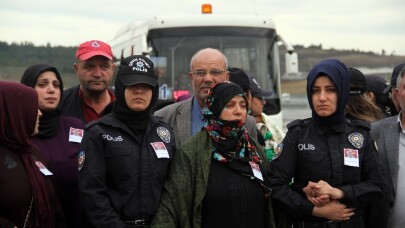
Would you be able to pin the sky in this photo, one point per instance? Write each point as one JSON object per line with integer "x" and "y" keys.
{"x": 366, "y": 25}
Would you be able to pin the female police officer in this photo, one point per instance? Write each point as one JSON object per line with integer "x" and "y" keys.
{"x": 125, "y": 154}
{"x": 330, "y": 188}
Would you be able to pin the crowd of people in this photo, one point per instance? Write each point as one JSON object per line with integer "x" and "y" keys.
{"x": 90, "y": 156}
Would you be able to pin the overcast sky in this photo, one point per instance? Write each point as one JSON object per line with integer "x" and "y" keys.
{"x": 367, "y": 25}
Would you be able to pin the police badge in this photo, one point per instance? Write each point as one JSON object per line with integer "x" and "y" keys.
{"x": 163, "y": 134}
{"x": 356, "y": 139}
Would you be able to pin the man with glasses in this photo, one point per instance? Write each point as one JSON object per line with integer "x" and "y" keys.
{"x": 207, "y": 67}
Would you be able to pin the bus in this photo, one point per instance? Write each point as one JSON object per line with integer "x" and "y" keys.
{"x": 249, "y": 42}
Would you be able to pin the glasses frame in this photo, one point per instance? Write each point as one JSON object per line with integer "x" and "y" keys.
{"x": 212, "y": 72}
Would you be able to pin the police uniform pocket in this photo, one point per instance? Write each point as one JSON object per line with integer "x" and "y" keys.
{"x": 117, "y": 151}
{"x": 311, "y": 158}
{"x": 312, "y": 164}
{"x": 118, "y": 162}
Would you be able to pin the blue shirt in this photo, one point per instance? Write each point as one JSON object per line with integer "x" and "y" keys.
{"x": 197, "y": 118}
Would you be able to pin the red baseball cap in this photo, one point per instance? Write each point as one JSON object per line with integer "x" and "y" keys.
{"x": 92, "y": 48}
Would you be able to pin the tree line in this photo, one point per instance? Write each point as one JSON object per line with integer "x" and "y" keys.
{"x": 26, "y": 54}
{"x": 16, "y": 57}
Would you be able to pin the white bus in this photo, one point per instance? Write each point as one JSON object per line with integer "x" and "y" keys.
{"x": 249, "y": 42}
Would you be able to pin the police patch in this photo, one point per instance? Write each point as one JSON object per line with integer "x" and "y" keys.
{"x": 164, "y": 134}
{"x": 278, "y": 150}
{"x": 80, "y": 159}
{"x": 356, "y": 139}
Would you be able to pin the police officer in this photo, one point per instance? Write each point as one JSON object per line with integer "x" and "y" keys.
{"x": 330, "y": 188}
{"x": 125, "y": 155}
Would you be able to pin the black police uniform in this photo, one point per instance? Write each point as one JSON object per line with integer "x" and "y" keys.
{"x": 121, "y": 176}
{"x": 312, "y": 152}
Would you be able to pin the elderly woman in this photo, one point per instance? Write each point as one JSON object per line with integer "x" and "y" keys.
{"x": 56, "y": 138}
{"x": 27, "y": 195}
{"x": 218, "y": 177}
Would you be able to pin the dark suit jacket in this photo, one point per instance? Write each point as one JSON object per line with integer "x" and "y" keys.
{"x": 178, "y": 116}
{"x": 386, "y": 134}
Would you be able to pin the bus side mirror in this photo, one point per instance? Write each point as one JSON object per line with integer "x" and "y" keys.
{"x": 291, "y": 63}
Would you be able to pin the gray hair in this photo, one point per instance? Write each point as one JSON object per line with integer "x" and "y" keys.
{"x": 400, "y": 76}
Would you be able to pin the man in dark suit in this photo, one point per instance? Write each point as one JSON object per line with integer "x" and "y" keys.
{"x": 390, "y": 138}
{"x": 208, "y": 67}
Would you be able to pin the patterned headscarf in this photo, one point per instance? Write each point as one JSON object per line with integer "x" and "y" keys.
{"x": 229, "y": 138}
{"x": 18, "y": 117}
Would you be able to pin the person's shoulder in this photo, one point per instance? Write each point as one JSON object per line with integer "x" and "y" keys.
{"x": 358, "y": 123}
{"x": 73, "y": 121}
{"x": 173, "y": 107}
{"x": 106, "y": 120}
{"x": 72, "y": 90}
{"x": 160, "y": 122}
{"x": 299, "y": 123}
{"x": 198, "y": 141}
{"x": 384, "y": 121}
{"x": 68, "y": 98}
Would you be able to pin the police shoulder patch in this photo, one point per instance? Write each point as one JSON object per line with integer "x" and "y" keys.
{"x": 356, "y": 139}
{"x": 163, "y": 134}
{"x": 81, "y": 158}
{"x": 278, "y": 150}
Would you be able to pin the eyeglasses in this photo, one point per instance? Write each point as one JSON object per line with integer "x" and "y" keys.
{"x": 213, "y": 72}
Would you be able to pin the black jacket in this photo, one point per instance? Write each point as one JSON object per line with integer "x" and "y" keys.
{"x": 121, "y": 178}
{"x": 72, "y": 105}
{"x": 312, "y": 153}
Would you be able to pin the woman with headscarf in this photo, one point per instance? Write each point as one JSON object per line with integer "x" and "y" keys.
{"x": 218, "y": 178}
{"x": 56, "y": 138}
{"x": 330, "y": 188}
{"x": 27, "y": 195}
{"x": 126, "y": 154}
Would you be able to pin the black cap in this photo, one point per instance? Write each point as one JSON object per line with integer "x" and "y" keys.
{"x": 358, "y": 82}
{"x": 240, "y": 78}
{"x": 137, "y": 69}
{"x": 376, "y": 84}
{"x": 394, "y": 77}
{"x": 257, "y": 91}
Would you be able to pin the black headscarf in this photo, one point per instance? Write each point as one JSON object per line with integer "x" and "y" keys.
{"x": 137, "y": 121}
{"x": 48, "y": 123}
{"x": 339, "y": 75}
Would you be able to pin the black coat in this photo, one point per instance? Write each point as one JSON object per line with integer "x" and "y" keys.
{"x": 312, "y": 153}
{"x": 121, "y": 178}
{"x": 72, "y": 105}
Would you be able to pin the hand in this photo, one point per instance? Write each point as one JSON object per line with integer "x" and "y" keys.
{"x": 333, "y": 211}
{"x": 311, "y": 192}
{"x": 323, "y": 189}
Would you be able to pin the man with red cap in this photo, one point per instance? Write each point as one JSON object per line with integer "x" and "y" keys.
{"x": 94, "y": 67}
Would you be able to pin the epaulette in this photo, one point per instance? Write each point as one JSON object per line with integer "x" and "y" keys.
{"x": 358, "y": 123}
{"x": 299, "y": 122}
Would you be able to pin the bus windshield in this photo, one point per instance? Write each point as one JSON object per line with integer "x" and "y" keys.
{"x": 252, "y": 49}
